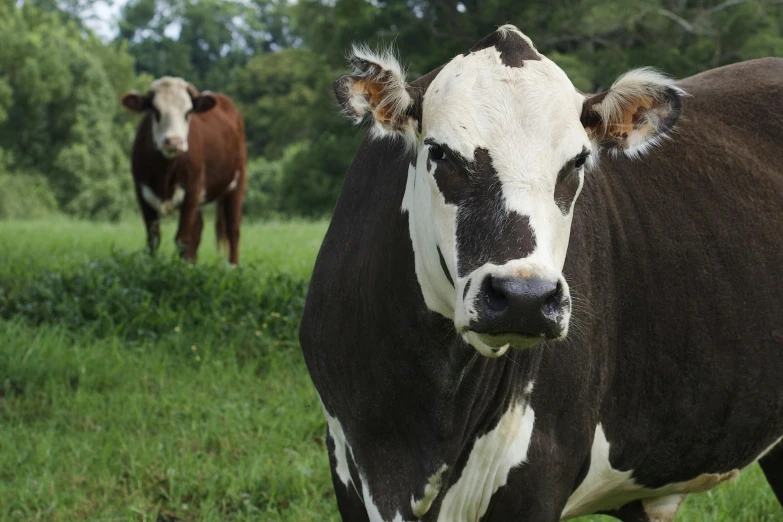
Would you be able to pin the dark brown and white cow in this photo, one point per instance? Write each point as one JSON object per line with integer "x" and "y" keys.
{"x": 189, "y": 151}
{"x": 486, "y": 347}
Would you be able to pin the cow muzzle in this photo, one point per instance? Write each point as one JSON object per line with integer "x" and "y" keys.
{"x": 172, "y": 146}
{"x": 519, "y": 312}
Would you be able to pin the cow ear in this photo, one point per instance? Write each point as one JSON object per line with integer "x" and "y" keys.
{"x": 136, "y": 102}
{"x": 204, "y": 102}
{"x": 377, "y": 87}
{"x": 635, "y": 114}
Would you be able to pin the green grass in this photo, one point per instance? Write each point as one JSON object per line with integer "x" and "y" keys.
{"x": 142, "y": 390}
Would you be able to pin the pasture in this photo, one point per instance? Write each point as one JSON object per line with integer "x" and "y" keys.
{"x": 146, "y": 390}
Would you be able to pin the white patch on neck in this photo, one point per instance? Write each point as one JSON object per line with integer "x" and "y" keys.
{"x": 492, "y": 458}
{"x": 606, "y": 489}
{"x": 340, "y": 445}
{"x": 163, "y": 207}
{"x": 422, "y": 506}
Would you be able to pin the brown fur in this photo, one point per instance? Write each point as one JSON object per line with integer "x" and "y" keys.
{"x": 216, "y": 152}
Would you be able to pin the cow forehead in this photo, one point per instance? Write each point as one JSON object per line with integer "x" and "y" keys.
{"x": 525, "y": 112}
{"x": 171, "y": 94}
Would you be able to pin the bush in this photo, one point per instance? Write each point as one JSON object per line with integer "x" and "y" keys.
{"x": 137, "y": 297}
{"x": 25, "y": 195}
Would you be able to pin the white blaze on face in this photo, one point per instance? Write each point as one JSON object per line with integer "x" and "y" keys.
{"x": 172, "y": 105}
{"x": 527, "y": 118}
{"x": 500, "y": 139}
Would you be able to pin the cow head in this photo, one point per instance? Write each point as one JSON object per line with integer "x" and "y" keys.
{"x": 171, "y": 102}
{"x": 500, "y": 141}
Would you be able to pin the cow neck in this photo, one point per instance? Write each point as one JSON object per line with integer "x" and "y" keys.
{"x": 163, "y": 185}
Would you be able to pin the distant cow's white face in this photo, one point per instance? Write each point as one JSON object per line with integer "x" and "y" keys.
{"x": 171, "y": 102}
{"x": 502, "y": 140}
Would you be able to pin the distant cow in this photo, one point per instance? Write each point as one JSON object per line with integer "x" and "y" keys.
{"x": 502, "y": 328}
{"x": 189, "y": 151}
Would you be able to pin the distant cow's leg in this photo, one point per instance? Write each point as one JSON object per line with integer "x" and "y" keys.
{"x": 191, "y": 224}
{"x": 772, "y": 464}
{"x": 232, "y": 209}
{"x": 151, "y": 222}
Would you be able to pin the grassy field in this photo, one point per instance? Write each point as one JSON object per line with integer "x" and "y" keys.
{"x": 132, "y": 390}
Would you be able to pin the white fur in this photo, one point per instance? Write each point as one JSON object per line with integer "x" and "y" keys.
{"x": 422, "y": 506}
{"x": 605, "y": 488}
{"x": 162, "y": 207}
{"x": 491, "y": 459}
{"x": 528, "y": 120}
{"x": 172, "y": 100}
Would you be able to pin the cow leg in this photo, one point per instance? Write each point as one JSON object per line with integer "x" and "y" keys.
{"x": 231, "y": 206}
{"x": 191, "y": 223}
{"x": 189, "y": 242}
{"x": 151, "y": 222}
{"x": 772, "y": 465}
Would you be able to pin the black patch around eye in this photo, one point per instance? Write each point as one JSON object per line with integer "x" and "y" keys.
{"x": 155, "y": 113}
{"x": 437, "y": 153}
{"x": 568, "y": 182}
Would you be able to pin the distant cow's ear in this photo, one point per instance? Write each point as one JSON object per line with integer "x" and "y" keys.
{"x": 377, "y": 87}
{"x": 137, "y": 102}
{"x": 204, "y": 102}
{"x": 635, "y": 114}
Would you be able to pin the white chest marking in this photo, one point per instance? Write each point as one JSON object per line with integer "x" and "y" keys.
{"x": 163, "y": 207}
{"x": 605, "y": 488}
{"x": 422, "y": 506}
{"x": 493, "y": 456}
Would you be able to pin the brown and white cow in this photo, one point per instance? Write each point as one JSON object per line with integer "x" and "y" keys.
{"x": 189, "y": 151}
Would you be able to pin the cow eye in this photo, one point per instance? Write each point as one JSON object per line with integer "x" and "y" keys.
{"x": 580, "y": 162}
{"x": 187, "y": 114}
{"x": 437, "y": 153}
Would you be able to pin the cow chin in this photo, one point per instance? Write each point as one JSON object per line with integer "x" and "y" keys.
{"x": 493, "y": 346}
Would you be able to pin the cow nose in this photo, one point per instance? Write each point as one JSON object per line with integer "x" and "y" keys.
{"x": 173, "y": 143}
{"x": 530, "y": 307}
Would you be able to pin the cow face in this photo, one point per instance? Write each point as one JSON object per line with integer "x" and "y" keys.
{"x": 500, "y": 142}
{"x": 171, "y": 102}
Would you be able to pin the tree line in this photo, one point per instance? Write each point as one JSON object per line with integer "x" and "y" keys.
{"x": 64, "y": 139}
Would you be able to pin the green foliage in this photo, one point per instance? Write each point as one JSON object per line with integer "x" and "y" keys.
{"x": 132, "y": 296}
{"x": 60, "y": 120}
{"x": 210, "y": 422}
{"x": 60, "y": 112}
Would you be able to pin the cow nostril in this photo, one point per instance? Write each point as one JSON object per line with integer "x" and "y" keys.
{"x": 553, "y": 303}
{"x": 494, "y": 295}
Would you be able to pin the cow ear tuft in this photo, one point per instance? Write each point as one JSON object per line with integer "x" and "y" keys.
{"x": 635, "y": 114}
{"x": 204, "y": 102}
{"x": 136, "y": 102}
{"x": 377, "y": 87}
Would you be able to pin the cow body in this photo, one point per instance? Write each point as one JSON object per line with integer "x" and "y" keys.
{"x": 668, "y": 383}
{"x": 211, "y": 167}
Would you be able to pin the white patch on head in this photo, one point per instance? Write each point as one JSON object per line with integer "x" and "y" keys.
{"x": 173, "y": 102}
{"x": 528, "y": 118}
{"x": 605, "y": 488}
{"x": 422, "y": 506}
{"x": 422, "y": 204}
{"x": 491, "y": 459}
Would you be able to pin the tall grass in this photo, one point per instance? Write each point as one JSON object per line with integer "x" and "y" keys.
{"x": 146, "y": 389}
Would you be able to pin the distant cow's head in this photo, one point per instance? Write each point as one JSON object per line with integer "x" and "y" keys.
{"x": 500, "y": 142}
{"x": 171, "y": 102}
